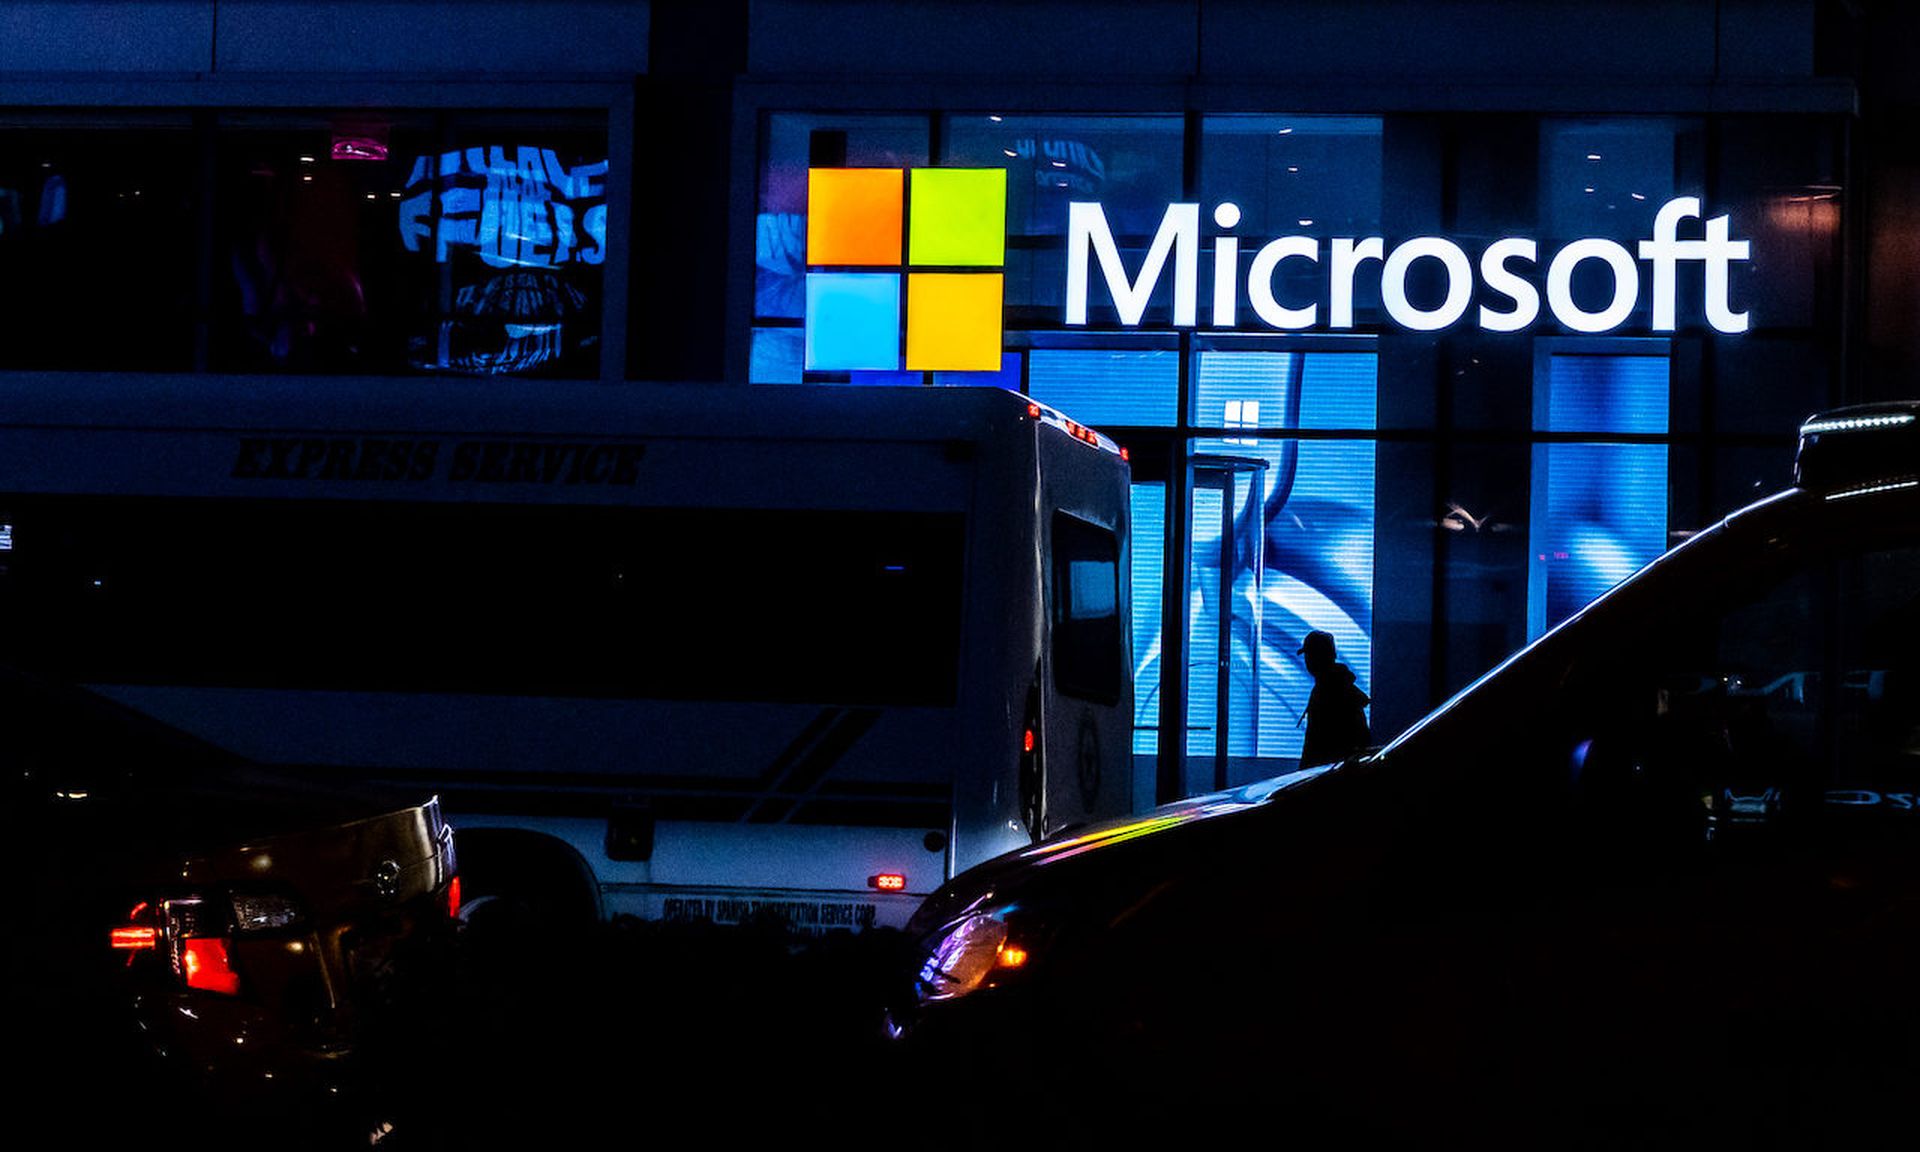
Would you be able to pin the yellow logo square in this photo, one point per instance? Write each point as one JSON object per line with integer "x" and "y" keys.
{"x": 953, "y": 321}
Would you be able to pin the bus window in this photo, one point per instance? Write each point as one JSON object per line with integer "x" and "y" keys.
{"x": 1087, "y": 657}
{"x": 834, "y": 607}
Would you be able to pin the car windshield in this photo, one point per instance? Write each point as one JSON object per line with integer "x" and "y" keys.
{"x": 1779, "y": 645}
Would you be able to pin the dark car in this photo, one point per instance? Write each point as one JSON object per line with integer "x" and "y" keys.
{"x": 1656, "y": 878}
{"x": 271, "y": 942}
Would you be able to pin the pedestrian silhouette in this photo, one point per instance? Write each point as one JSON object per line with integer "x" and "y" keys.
{"x": 1336, "y": 715}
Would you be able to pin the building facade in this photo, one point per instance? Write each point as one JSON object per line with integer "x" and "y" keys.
{"x": 1423, "y": 323}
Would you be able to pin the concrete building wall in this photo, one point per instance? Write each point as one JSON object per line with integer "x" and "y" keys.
{"x": 1398, "y": 40}
{"x": 471, "y": 37}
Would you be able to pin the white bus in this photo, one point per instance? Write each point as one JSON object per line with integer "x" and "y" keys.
{"x": 674, "y": 651}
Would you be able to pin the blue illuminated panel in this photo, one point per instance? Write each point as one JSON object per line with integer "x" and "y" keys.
{"x": 774, "y": 356}
{"x": 1247, "y": 389}
{"x": 1008, "y": 377}
{"x": 1338, "y": 390}
{"x": 1599, "y": 511}
{"x": 855, "y": 321}
{"x": 1148, "y": 544}
{"x": 1316, "y": 575}
{"x": 1285, "y": 390}
{"x": 1304, "y": 560}
{"x": 1599, "y": 514}
{"x": 1603, "y": 394}
{"x": 1100, "y": 386}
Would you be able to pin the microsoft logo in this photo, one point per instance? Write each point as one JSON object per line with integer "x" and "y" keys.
{"x": 952, "y": 223}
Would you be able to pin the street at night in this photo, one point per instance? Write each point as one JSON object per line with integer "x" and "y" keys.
{"x": 939, "y": 573}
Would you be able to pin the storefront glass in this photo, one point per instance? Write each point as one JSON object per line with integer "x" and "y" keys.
{"x": 408, "y": 242}
{"x": 1337, "y": 402}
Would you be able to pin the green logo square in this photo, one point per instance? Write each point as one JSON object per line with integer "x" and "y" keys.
{"x": 957, "y": 217}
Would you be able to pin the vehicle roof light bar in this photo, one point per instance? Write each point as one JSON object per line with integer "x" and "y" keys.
{"x": 1856, "y": 451}
{"x": 1891, "y": 486}
{"x": 1856, "y": 424}
{"x": 1072, "y": 427}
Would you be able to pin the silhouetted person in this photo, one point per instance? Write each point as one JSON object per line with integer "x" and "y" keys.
{"x": 1336, "y": 715}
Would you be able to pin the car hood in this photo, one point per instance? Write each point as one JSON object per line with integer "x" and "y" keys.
{"x": 1091, "y": 850}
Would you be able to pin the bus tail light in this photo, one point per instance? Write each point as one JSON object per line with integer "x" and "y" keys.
{"x": 453, "y": 898}
{"x": 1031, "y": 759}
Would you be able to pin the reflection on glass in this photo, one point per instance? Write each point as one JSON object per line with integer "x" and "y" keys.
{"x": 1131, "y": 164}
{"x": 1323, "y": 174}
{"x": 96, "y": 247}
{"x": 469, "y": 249}
{"x": 795, "y": 143}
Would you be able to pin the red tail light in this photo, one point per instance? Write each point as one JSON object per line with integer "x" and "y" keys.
{"x": 204, "y": 964}
{"x": 453, "y": 898}
{"x": 889, "y": 881}
{"x": 135, "y": 937}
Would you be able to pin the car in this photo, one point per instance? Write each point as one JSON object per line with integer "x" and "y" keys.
{"x": 276, "y": 945}
{"x": 1655, "y": 878}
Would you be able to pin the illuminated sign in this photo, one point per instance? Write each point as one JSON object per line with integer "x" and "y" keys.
{"x": 947, "y": 312}
{"x": 516, "y": 209}
{"x": 1089, "y": 238}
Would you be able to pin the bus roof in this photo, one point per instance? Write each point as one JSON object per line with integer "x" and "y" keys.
{"x": 505, "y": 407}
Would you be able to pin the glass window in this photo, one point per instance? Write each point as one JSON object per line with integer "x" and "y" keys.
{"x": 1759, "y": 701}
{"x": 1780, "y": 179}
{"x": 1482, "y": 536}
{"x": 795, "y": 143}
{"x": 1877, "y": 727}
{"x": 1294, "y": 175}
{"x": 1609, "y": 177}
{"x": 1130, "y": 164}
{"x": 1087, "y": 657}
{"x": 97, "y": 261}
{"x": 399, "y": 242}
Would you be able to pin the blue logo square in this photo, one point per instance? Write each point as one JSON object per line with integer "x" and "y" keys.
{"x": 853, "y": 321}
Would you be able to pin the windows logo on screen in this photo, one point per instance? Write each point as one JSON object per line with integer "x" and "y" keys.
{"x": 952, "y": 223}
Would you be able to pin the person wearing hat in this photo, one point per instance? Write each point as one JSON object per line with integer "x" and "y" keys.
{"x": 1336, "y": 715}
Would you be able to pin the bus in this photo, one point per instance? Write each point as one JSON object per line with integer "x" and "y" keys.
{"x": 675, "y": 651}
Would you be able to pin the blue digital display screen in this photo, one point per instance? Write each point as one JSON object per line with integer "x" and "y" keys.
{"x": 1599, "y": 514}
{"x": 1599, "y": 511}
{"x": 1106, "y": 386}
{"x": 1282, "y": 544}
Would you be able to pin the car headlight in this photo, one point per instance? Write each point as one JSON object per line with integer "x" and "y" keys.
{"x": 973, "y": 953}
